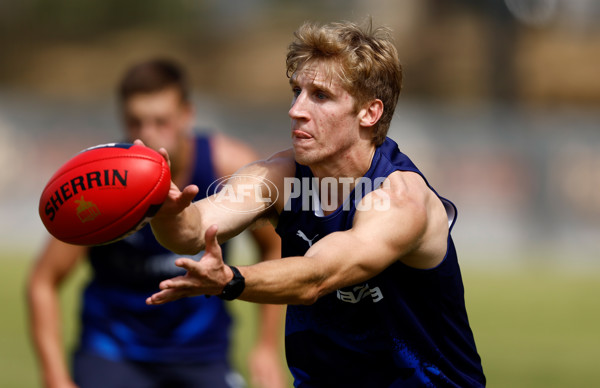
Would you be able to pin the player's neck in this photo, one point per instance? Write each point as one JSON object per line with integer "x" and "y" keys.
{"x": 353, "y": 163}
{"x": 347, "y": 168}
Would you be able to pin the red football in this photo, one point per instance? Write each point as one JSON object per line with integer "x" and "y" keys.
{"x": 104, "y": 193}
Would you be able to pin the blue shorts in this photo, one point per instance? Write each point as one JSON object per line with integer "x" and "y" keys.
{"x": 92, "y": 371}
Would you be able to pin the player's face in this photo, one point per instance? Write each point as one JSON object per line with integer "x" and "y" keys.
{"x": 324, "y": 120}
{"x": 159, "y": 119}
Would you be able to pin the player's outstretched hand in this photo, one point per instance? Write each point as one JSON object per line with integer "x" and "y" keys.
{"x": 177, "y": 200}
{"x": 205, "y": 277}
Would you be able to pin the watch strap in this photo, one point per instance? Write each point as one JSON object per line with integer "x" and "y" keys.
{"x": 235, "y": 287}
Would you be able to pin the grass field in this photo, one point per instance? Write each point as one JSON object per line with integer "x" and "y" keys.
{"x": 533, "y": 328}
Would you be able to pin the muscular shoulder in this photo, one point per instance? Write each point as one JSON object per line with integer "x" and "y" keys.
{"x": 407, "y": 188}
{"x": 415, "y": 215}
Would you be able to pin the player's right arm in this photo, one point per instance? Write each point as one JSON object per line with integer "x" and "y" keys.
{"x": 54, "y": 263}
{"x": 253, "y": 195}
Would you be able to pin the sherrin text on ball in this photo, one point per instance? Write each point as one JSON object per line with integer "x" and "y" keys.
{"x": 104, "y": 193}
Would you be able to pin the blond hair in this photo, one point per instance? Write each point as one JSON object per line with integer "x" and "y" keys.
{"x": 364, "y": 60}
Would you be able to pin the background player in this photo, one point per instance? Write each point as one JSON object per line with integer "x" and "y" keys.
{"x": 125, "y": 343}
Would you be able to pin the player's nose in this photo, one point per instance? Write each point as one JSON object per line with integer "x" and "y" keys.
{"x": 298, "y": 110}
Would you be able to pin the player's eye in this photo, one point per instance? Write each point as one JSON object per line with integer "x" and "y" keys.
{"x": 296, "y": 91}
{"x": 321, "y": 95}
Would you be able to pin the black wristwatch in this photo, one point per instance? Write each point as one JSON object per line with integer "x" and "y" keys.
{"x": 235, "y": 287}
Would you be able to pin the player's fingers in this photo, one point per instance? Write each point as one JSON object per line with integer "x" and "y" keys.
{"x": 139, "y": 142}
{"x": 176, "y": 282}
{"x": 164, "y": 296}
{"x": 165, "y": 155}
{"x": 211, "y": 243}
{"x": 188, "y": 194}
{"x": 187, "y": 264}
{"x": 159, "y": 297}
{"x": 151, "y": 300}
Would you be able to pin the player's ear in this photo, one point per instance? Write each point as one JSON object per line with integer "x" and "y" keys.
{"x": 371, "y": 113}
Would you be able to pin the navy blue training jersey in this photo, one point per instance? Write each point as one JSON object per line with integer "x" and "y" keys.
{"x": 405, "y": 327}
{"x": 117, "y": 324}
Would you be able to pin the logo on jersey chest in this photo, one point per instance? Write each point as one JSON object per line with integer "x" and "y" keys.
{"x": 359, "y": 293}
{"x": 301, "y": 234}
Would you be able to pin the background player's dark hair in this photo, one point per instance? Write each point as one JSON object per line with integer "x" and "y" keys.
{"x": 152, "y": 76}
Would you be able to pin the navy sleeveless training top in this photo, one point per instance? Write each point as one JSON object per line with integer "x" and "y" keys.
{"x": 403, "y": 328}
{"x": 117, "y": 324}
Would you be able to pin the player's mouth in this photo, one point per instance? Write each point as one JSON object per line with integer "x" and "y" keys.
{"x": 300, "y": 135}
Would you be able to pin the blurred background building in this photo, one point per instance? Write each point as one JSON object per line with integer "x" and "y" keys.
{"x": 500, "y": 106}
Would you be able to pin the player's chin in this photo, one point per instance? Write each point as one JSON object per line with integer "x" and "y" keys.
{"x": 303, "y": 155}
